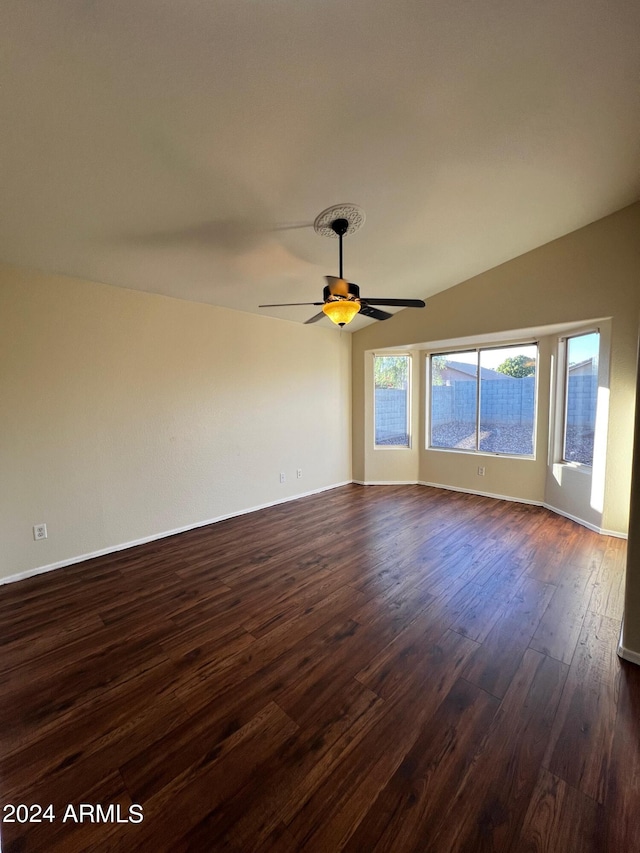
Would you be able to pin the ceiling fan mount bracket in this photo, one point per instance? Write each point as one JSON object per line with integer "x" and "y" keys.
{"x": 340, "y": 226}
{"x": 351, "y": 214}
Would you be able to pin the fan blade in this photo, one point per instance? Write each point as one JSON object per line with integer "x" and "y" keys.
{"x": 287, "y": 304}
{"x": 291, "y": 226}
{"x": 239, "y": 234}
{"x": 337, "y": 286}
{"x": 375, "y": 313}
{"x": 315, "y": 317}
{"x": 404, "y": 303}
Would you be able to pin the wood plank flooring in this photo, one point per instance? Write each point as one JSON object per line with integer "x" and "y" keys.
{"x": 371, "y": 669}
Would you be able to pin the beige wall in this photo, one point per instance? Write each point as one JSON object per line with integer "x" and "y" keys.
{"x": 630, "y": 639}
{"x": 591, "y": 273}
{"x": 125, "y": 415}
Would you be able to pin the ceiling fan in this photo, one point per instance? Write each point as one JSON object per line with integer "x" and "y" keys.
{"x": 341, "y": 299}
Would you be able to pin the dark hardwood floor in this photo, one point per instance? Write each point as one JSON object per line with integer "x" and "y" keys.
{"x": 369, "y": 669}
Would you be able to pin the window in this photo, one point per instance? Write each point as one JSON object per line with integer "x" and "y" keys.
{"x": 493, "y": 415}
{"x": 581, "y": 391}
{"x": 391, "y": 403}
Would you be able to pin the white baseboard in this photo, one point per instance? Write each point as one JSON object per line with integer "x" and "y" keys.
{"x": 584, "y": 523}
{"x": 386, "y": 482}
{"x": 624, "y": 652}
{"x": 627, "y": 654}
{"x": 112, "y": 549}
{"x": 616, "y": 533}
{"x": 482, "y": 494}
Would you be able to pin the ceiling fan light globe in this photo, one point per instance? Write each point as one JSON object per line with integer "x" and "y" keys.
{"x": 341, "y": 311}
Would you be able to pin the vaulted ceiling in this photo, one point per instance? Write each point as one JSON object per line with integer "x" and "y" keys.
{"x": 176, "y": 147}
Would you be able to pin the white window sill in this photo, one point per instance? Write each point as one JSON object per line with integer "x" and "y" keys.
{"x": 529, "y": 458}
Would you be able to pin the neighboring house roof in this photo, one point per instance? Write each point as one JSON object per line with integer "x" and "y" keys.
{"x": 587, "y": 363}
{"x": 470, "y": 370}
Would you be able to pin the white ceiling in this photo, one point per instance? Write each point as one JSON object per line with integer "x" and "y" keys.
{"x": 164, "y": 145}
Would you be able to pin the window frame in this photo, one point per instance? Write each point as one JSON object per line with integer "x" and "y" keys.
{"x": 478, "y": 350}
{"x": 564, "y": 402}
{"x": 408, "y": 356}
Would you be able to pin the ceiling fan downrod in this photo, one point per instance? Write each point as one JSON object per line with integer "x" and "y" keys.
{"x": 340, "y": 227}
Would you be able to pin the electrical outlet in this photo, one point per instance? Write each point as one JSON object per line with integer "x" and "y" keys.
{"x": 283, "y": 477}
{"x": 481, "y": 471}
{"x": 299, "y": 473}
{"x": 39, "y": 531}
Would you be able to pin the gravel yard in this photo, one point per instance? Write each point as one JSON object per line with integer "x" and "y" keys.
{"x": 579, "y": 445}
{"x": 393, "y": 441}
{"x": 514, "y": 438}
{"x": 507, "y": 438}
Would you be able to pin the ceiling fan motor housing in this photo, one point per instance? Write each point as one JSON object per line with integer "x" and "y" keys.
{"x": 341, "y": 289}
